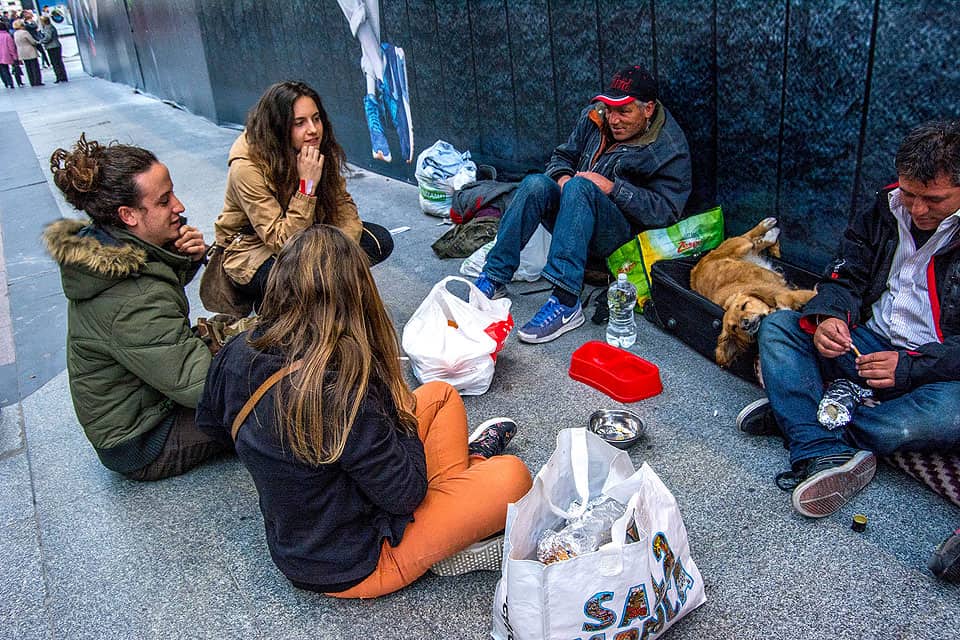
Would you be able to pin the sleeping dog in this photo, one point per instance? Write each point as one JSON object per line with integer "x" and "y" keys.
{"x": 743, "y": 282}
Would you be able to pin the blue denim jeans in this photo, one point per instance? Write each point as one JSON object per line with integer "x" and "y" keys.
{"x": 926, "y": 417}
{"x": 582, "y": 219}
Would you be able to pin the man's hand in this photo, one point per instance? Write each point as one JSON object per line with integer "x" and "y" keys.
{"x": 310, "y": 166}
{"x": 562, "y": 180}
{"x": 602, "y": 183}
{"x": 879, "y": 368}
{"x": 190, "y": 243}
{"x": 832, "y": 338}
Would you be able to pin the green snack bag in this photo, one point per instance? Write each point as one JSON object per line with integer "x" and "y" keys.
{"x": 691, "y": 236}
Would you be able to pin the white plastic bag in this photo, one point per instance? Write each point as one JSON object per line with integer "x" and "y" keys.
{"x": 457, "y": 341}
{"x": 441, "y": 170}
{"x": 635, "y": 590}
{"x": 533, "y": 257}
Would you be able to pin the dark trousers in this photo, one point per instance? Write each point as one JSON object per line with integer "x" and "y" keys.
{"x": 375, "y": 241}
{"x": 33, "y": 72}
{"x": 56, "y": 61}
{"x": 186, "y": 447}
{"x": 5, "y": 76}
{"x": 43, "y": 55}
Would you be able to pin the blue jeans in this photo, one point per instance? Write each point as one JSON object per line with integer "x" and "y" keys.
{"x": 582, "y": 219}
{"x": 926, "y": 417}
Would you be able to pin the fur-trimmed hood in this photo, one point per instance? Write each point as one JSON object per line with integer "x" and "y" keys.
{"x": 93, "y": 258}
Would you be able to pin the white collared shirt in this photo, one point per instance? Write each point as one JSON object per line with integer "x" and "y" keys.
{"x": 904, "y": 313}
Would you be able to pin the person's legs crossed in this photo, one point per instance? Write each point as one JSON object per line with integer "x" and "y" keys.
{"x": 186, "y": 447}
{"x": 466, "y": 499}
{"x": 924, "y": 419}
{"x": 794, "y": 383}
{"x": 535, "y": 201}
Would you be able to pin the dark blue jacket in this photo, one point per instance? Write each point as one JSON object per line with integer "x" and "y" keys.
{"x": 651, "y": 177}
{"x": 857, "y": 278}
{"x": 324, "y": 524}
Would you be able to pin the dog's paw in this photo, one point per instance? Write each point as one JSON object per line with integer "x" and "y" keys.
{"x": 771, "y": 236}
{"x": 768, "y": 223}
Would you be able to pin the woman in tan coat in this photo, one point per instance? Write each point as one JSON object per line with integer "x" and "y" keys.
{"x": 284, "y": 176}
{"x": 27, "y": 51}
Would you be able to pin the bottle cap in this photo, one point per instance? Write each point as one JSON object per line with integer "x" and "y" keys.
{"x": 859, "y": 523}
{"x": 621, "y": 277}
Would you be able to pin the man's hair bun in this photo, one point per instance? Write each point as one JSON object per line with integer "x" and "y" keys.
{"x": 77, "y": 173}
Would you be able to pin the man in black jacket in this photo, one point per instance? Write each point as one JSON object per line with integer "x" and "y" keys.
{"x": 625, "y": 168}
{"x": 886, "y": 319}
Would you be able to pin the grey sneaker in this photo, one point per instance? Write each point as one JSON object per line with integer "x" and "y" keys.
{"x": 485, "y": 555}
{"x": 821, "y": 486}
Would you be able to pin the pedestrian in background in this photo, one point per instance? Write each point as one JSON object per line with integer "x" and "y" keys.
{"x": 30, "y": 24}
{"x": 51, "y": 42}
{"x": 9, "y": 61}
{"x": 28, "y": 52}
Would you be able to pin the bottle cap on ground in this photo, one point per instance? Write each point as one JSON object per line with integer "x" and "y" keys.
{"x": 859, "y": 523}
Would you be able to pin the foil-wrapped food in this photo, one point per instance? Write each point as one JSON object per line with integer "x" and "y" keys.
{"x": 840, "y": 401}
{"x": 583, "y": 534}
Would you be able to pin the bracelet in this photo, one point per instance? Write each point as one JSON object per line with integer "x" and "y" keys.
{"x": 306, "y": 187}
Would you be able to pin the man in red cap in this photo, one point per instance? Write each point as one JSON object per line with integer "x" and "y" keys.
{"x": 625, "y": 168}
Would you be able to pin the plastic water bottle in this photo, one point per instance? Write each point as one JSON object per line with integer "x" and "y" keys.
{"x": 621, "y": 299}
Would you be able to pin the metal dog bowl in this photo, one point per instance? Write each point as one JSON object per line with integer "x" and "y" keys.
{"x": 620, "y": 427}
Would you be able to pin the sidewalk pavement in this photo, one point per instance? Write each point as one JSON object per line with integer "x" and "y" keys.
{"x": 88, "y": 554}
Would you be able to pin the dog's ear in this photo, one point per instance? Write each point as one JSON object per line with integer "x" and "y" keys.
{"x": 731, "y": 343}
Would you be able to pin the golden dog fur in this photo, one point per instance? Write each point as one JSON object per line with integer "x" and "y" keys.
{"x": 736, "y": 277}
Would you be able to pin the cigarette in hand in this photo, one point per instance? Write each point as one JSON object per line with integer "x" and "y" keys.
{"x": 856, "y": 351}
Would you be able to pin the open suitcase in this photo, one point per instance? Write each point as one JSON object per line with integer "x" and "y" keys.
{"x": 695, "y": 320}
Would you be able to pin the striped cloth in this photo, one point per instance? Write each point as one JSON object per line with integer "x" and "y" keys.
{"x": 939, "y": 472}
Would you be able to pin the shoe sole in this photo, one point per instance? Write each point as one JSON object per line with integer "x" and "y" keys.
{"x": 570, "y": 326}
{"x": 945, "y": 561}
{"x": 481, "y": 556}
{"x": 826, "y": 492}
{"x": 486, "y": 423}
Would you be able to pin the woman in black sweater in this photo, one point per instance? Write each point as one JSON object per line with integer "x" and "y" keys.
{"x": 364, "y": 485}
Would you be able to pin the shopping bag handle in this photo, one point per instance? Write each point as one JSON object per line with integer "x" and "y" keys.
{"x": 580, "y": 464}
{"x": 611, "y": 559}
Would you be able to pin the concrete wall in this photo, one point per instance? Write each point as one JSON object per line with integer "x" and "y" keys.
{"x": 792, "y": 108}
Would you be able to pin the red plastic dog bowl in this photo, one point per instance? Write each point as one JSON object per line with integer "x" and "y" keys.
{"x": 618, "y": 373}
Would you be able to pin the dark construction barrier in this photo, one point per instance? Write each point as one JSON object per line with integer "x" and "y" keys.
{"x": 791, "y": 108}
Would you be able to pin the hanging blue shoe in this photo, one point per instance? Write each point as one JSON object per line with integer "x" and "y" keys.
{"x": 396, "y": 97}
{"x": 378, "y": 142}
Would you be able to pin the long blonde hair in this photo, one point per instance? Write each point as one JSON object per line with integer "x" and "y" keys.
{"x": 321, "y": 305}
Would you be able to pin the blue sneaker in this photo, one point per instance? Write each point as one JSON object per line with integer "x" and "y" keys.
{"x": 378, "y": 141}
{"x": 489, "y": 288}
{"x": 552, "y": 321}
{"x": 396, "y": 97}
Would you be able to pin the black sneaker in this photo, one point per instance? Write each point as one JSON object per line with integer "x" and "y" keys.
{"x": 757, "y": 419}
{"x": 945, "y": 561}
{"x": 491, "y": 437}
{"x": 822, "y": 485}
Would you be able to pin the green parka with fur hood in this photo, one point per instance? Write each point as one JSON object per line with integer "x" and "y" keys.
{"x": 130, "y": 351}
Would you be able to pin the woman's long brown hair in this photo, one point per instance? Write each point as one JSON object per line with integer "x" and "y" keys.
{"x": 268, "y": 136}
{"x": 321, "y": 304}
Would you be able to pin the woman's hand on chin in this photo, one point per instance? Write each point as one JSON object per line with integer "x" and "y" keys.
{"x": 310, "y": 168}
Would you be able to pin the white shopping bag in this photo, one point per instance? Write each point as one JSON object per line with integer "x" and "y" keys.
{"x": 457, "y": 340}
{"x": 619, "y": 592}
{"x": 533, "y": 257}
{"x": 441, "y": 170}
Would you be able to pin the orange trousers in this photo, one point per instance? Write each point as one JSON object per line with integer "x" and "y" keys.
{"x": 466, "y": 497}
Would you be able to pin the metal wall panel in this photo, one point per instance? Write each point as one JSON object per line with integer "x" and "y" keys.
{"x": 792, "y": 108}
